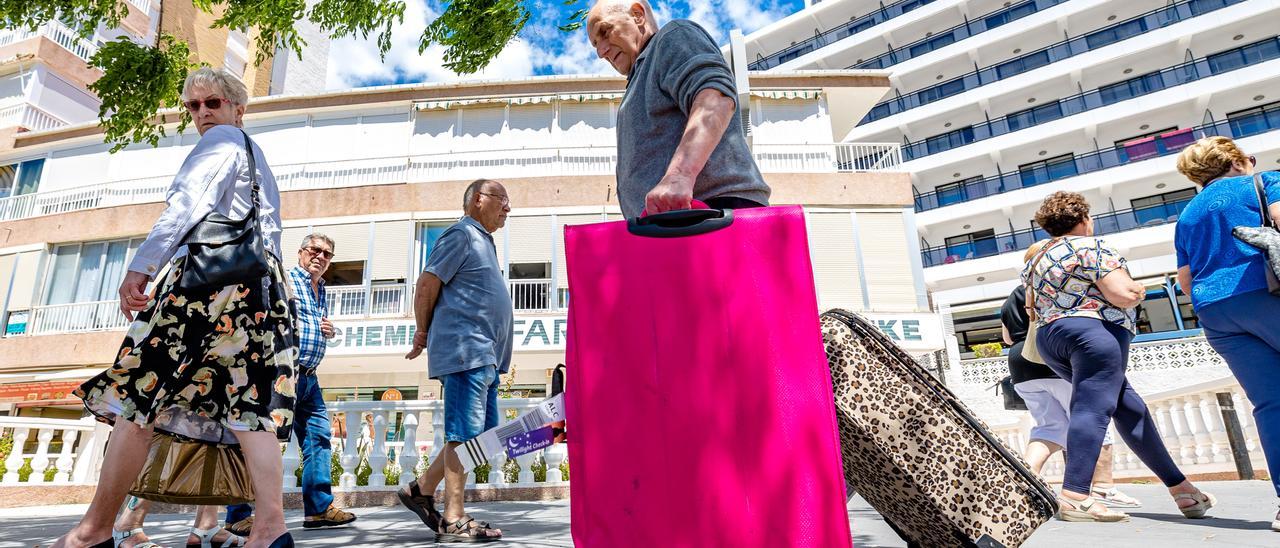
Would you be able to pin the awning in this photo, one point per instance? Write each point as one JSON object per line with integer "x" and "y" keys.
{"x": 78, "y": 374}
{"x": 526, "y": 100}
{"x": 787, "y": 93}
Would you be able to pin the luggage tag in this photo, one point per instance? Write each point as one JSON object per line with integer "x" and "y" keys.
{"x": 476, "y": 452}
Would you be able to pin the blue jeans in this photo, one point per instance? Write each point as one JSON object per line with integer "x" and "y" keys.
{"x": 311, "y": 426}
{"x": 1091, "y": 354}
{"x": 470, "y": 402}
{"x": 1243, "y": 330}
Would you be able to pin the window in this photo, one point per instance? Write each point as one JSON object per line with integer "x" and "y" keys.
{"x": 1139, "y": 137}
{"x": 20, "y": 178}
{"x": 941, "y": 91}
{"x": 972, "y": 245}
{"x": 913, "y": 4}
{"x": 1115, "y": 33}
{"x": 1022, "y": 64}
{"x": 1034, "y": 116}
{"x": 949, "y": 140}
{"x": 1130, "y": 88}
{"x": 428, "y": 234}
{"x": 937, "y": 42}
{"x": 1253, "y": 121}
{"x": 977, "y": 327}
{"x": 530, "y": 285}
{"x": 88, "y": 272}
{"x": 1161, "y": 208}
{"x": 1016, "y": 12}
{"x": 954, "y": 193}
{"x": 794, "y": 54}
{"x": 16, "y": 323}
{"x": 1036, "y": 173}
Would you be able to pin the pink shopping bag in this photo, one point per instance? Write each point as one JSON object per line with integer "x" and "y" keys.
{"x": 699, "y": 396}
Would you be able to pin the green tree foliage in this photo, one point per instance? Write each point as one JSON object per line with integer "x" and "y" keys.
{"x": 141, "y": 80}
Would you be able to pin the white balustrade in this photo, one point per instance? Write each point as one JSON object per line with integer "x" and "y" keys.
{"x": 450, "y": 166}
{"x": 77, "y": 317}
{"x": 70, "y": 463}
{"x": 56, "y": 31}
{"x": 29, "y": 117}
{"x": 1191, "y": 425}
{"x": 530, "y": 294}
{"x": 354, "y": 301}
{"x": 378, "y": 452}
{"x": 292, "y": 457}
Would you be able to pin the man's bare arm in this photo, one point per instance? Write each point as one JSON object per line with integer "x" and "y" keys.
{"x": 708, "y": 119}
{"x": 425, "y": 294}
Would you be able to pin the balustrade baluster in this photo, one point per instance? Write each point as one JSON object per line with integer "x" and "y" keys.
{"x": 378, "y": 453}
{"x": 66, "y": 461}
{"x": 14, "y": 461}
{"x": 1186, "y": 440}
{"x": 555, "y": 456}
{"x": 350, "y": 455}
{"x": 1200, "y": 433}
{"x": 40, "y": 461}
{"x": 290, "y": 461}
{"x": 1219, "y": 445}
{"x": 525, "y": 462}
{"x": 409, "y": 454}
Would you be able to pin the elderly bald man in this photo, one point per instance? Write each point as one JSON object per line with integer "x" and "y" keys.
{"x": 679, "y": 135}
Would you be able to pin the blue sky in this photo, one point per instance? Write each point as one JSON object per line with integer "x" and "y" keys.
{"x": 540, "y": 49}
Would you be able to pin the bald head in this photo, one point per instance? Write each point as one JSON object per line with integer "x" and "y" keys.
{"x": 619, "y": 30}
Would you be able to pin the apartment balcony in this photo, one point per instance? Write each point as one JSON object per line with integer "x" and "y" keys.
{"x": 452, "y": 166}
{"x": 28, "y": 117}
{"x": 835, "y": 34}
{"x": 1072, "y": 47}
{"x": 1262, "y": 121}
{"x": 357, "y": 301}
{"x": 1018, "y": 241}
{"x": 973, "y": 27}
{"x": 76, "y": 318}
{"x": 1220, "y": 63}
{"x": 56, "y": 31}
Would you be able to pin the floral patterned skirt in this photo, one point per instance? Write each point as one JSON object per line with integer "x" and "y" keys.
{"x": 200, "y": 364}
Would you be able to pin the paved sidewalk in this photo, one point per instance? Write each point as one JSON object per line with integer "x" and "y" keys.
{"x": 1242, "y": 519}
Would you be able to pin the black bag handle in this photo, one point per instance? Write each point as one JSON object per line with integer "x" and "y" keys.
{"x": 1261, "y": 195}
{"x": 557, "y": 380}
{"x": 680, "y": 223}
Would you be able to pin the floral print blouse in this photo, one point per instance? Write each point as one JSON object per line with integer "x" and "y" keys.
{"x": 1064, "y": 282}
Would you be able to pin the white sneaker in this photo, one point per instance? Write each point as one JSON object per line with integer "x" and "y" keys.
{"x": 1114, "y": 498}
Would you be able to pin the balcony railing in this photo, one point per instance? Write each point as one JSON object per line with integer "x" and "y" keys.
{"x": 957, "y": 33}
{"x": 1129, "y": 28}
{"x": 29, "y": 117}
{"x": 1212, "y": 65}
{"x": 1238, "y": 127}
{"x": 356, "y": 301}
{"x": 1009, "y": 242}
{"x": 54, "y": 30}
{"x": 76, "y": 318}
{"x": 530, "y": 294}
{"x": 451, "y": 166}
{"x": 837, "y": 33}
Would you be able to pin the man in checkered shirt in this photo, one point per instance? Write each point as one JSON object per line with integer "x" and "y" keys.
{"x": 311, "y": 420}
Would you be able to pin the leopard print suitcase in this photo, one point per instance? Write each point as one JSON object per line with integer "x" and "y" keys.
{"x": 918, "y": 455}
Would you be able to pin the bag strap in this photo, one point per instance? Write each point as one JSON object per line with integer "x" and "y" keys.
{"x": 253, "y": 174}
{"x": 1029, "y": 305}
{"x": 1261, "y": 195}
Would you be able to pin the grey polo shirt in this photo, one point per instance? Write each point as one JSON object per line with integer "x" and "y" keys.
{"x": 472, "y": 322}
{"x": 677, "y": 63}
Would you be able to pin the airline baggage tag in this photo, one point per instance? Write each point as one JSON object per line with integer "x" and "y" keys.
{"x": 477, "y": 451}
{"x": 529, "y": 442}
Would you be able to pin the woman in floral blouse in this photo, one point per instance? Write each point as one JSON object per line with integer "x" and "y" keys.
{"x": 1084, "y": 304}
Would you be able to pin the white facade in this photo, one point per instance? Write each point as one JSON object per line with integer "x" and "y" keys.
{"x": 998, "y": 104}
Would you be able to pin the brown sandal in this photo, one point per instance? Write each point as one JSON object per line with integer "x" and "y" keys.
{"x": 465, "y": 529}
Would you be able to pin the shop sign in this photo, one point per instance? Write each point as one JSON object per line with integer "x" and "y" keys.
{"x": 530, "y": 333}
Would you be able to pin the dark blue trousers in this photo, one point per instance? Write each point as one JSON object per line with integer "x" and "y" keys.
{"x": 1092, "y": 354}
{"x": 1245, "y": 330}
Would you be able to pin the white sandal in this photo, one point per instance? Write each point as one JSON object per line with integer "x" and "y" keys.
{"x": 1203, "y": 502}
{"x": 206, "y": 538}
{"x": 118, "y": 538}
{"x": 1079, "y": 512}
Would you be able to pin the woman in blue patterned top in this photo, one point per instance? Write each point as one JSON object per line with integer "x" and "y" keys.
{"x": 1227, "y": 280}
{"x": 1084, "y": 301}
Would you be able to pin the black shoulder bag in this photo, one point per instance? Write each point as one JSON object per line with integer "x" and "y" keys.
{"x": 224, "y": 251}
{"x": 1265, "y": 237}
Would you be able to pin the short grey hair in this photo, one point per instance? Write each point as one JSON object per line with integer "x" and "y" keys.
{"x": 473, "y": 189}
{"x": 317, "y": 236}
{"x": 219, "y": 79}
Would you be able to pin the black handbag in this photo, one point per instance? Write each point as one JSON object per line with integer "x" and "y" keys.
{"x": 224, "y": 251}
{"x": 1012, "y": 400}
{"x": 1266, "y": 237}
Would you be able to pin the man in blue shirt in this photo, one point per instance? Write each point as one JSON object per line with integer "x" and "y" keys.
{"x": 465, "y": 321}
{"x": 311, "y": 419}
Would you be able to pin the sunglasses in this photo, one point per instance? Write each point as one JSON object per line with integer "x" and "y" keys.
{"x": 1253, "y": 161}
{"x": 212, "y": 103}
{"x": 319, "y": 251}
{"x": 502, "y": 199}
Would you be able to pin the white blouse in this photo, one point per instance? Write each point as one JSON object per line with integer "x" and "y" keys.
{"x": 214, "y": 177}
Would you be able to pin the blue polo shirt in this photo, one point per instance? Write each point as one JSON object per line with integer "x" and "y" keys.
{"x": 472, "y": 322}
{"x": 1221, "y": 265}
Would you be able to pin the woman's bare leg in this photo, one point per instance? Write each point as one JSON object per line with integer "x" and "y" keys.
{"x": 127, "y": 449}
{"x": 262, "y": 455}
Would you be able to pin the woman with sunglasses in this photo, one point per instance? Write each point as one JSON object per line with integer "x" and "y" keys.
{"x": 1226, "y": 277}
{"x": 213, "y": 365}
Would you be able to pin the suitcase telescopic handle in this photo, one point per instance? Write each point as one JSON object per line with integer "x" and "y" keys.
{"x": 680, "y": 223}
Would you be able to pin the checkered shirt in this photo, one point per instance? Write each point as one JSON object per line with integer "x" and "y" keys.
{"x": 310, "y": 309}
